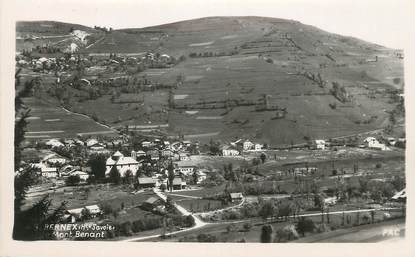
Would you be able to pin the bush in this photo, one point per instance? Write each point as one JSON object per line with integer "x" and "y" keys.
{"x": 305, "y": 225}
{"x": 125, "y": 229}
{"x": 73, "y": 180}
{"x": 206, "y": 238}
{"x": 322, "y": 228}
{"x": 266, "y": 234}
{"x": 247, "y": 226}
{"x": 286, "y": 234}
{"x": 231, "y": 228}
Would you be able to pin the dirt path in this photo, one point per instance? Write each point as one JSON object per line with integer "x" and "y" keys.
{"x": 198, "y": 222}
{"x": 86, "y": 116}
{"x": 201, "y": 224}
{"x": 99, "y": 40}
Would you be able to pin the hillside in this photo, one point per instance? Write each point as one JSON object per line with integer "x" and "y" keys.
{"x": 238, "y": 74}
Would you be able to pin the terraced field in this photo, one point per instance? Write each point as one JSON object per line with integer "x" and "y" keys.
{"x": 231, "y": 64}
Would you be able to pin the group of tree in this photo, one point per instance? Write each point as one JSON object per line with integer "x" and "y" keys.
{"x": 212, "y": 54}
{"x": 29, "y": 223}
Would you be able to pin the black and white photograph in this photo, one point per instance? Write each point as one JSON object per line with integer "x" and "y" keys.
{"x": 209, "y": 121}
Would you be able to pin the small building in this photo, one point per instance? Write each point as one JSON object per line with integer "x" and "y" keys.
{"x": 154, "y": 155}
{"x": 55, "y": 159}
{"x": 247, "y": 145}
{"x": 76, "y": 214}
{"x": 186, "y": 170}
{"x": 146, "y": 182}
{"x": 391, "y": 141}
{"x": 54, "y": 143}
{"x": 90, "y": 142}
{"x": 320, "y": 144}
{"x": 234, "y": 197}
{"x": 152, "y": 203}
{"x": 82, "y": 174}
{"x": 167, "y": 153}
{"x": 97, "y": 147}
{"x": 400, "y": 196}
{"x": 183, "y": 156}
{"x": 49, "y": 172}
{"x": 146, "y": 144}
{"x": 373, "y": 143}
{"x": 178, "y": 183}
{"x": 258, "y": 147}
{"x": 229, "y": 151}
{"x": 93, "y": 209}
{"x": 201, "y": 176}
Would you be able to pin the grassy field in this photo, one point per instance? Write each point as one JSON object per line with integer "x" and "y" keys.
{"x": 49, "y": 121}
{"x": 200, "y": 205}
{"x": 242, "y": 59}
{"x": 236, "y": 232}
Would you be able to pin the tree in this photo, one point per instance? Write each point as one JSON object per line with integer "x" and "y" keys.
{"x": 247, "y": 226}
{"x": 170, "y": 175}
{"x": 305, "y": 225}
{"x": 267, "y": 210}
{"x": 263, "y": 157}
{"x": 114, "y": 176}
{"x": 29, "y": 223}
{"x": 86, "y": 214}
{"x": 286, "y": 233}
{"x": 214, "y": 147}
{"x": 97, "y": 164}
{"x": 266, "y": 234}
{"x": 73, "y": 180}
{"x": 285, "y": 210}
{"x": 128, "y": 177}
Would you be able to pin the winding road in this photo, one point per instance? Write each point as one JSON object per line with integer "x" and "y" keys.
{"x": 200, "y": 224}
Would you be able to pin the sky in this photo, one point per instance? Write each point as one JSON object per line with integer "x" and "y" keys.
{"x": 384, "y": 22}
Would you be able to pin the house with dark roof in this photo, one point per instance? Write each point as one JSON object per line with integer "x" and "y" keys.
{"x": 153, "y": 203}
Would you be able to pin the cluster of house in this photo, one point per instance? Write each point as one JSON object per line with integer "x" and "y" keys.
{"x": 93, "y": 145}
{"x": 55, "y": 166}
{"x": 237, "y": 147}
{"x": 298, "y": 171}
{"x": 64, "y": 63}
{"x": 133, "y": 163}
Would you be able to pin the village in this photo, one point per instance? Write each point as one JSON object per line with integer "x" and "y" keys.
{"x": 127, "y": 182}
{"x": 186, "y": 145}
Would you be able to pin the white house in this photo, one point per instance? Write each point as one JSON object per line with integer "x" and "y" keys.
{"x": 146, "y": 144}
{"x": 201, "y": 176}
{"x": 97, "y": 147}
{"x": 184, "y": 156}
{"x": 229, "y": 151}
{"x": 258, "y": 147}
{"x": 82, "y": 174}
{"x": 90, "y": 142}
{"x": 94, "y": 210}
{"x": 247, "y": 145}
{"x": 55, "y": 159}
{"x": 372, "y": 142}
{"x": 49, "y": 172}
{"x": 320, "y": 144}
{"x": 401, "y": 195}
{"x": 236, "y": 197}
{"x": 186, "y": 170}
{"x": 54, "y": 143}
{"x": 122, "y": 163}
